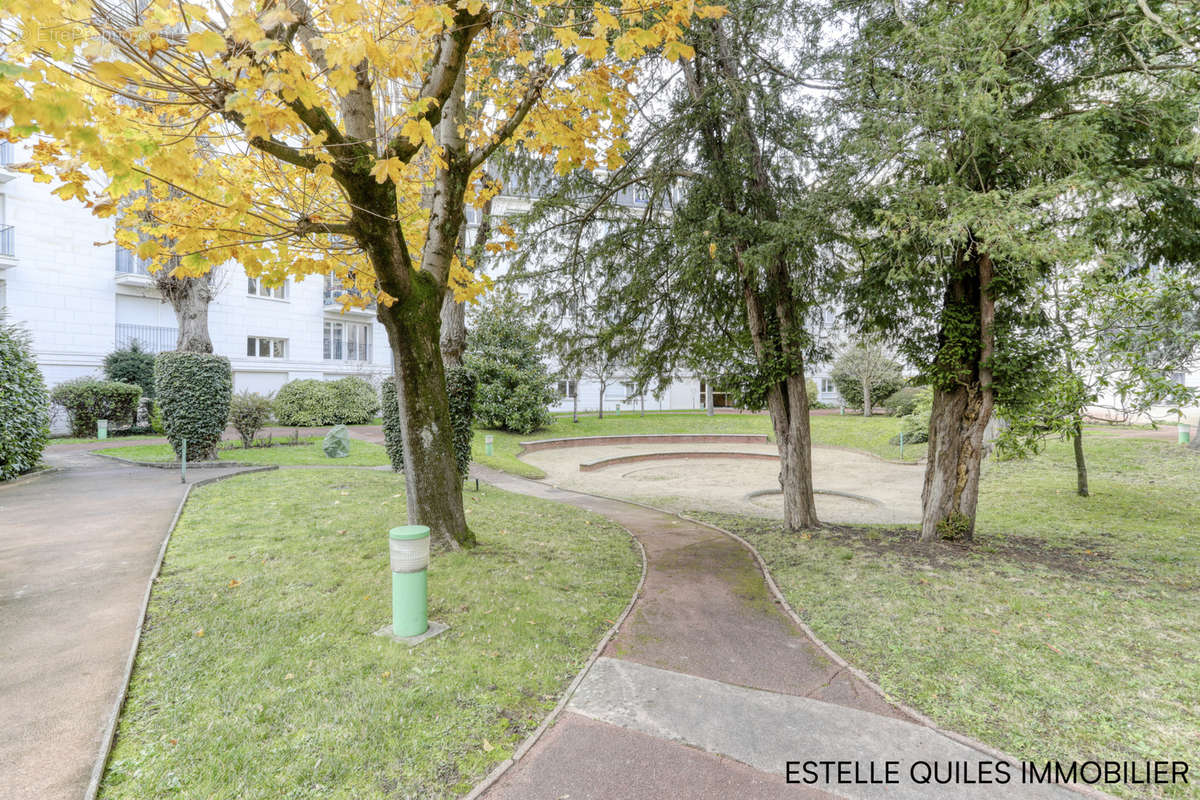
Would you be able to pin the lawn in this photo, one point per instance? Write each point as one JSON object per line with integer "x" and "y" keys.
{"x": 111, "y": 438}
{"x": 258, "y": 675}
{"x": 1071, "y": 628}
{"x": 871, "y": 434}
{"x": 362, "y": 454}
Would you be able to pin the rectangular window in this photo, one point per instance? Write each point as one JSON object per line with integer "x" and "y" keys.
{"x": 256, "y": 288}
{"x": 630, "y": 388}
{"x": 827, "y": 386}
{"x": 347, "y": 341}
{"x": 266, "y": 347}
{"x": 566, "y": 389}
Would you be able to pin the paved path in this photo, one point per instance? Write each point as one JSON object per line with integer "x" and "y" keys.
{"x": 77, "y": 547}
{"x": 709, "y": 689}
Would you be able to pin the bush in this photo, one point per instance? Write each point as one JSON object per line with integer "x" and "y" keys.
{"x": 89, "y": 399}
{"x": 24, "y": 406}
{"x": 850, "y": 388}
{"x": 313, "y": 403}
{"x": 249, "y": 413}
{"x": 356, "y": 401}
{"x": 132, "y": 365}
{"x": 916, "y": 425}
{"x": 515, "y": 390}
{"x": 194, "y": 392}
{"x": 461, "y": 386}
{"x": 904, "y": 402}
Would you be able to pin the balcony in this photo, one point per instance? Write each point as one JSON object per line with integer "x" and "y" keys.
{"x": 334, "y": 293}
{"x": 133, "y": 271}
{"x": 8, "y": 247}
{"x": 7, "y": 157}
{"x": 150, "y": 338}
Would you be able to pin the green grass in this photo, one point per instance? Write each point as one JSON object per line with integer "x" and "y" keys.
{"x": 868, "y": 434}
{"x": 1069, "y": 630}
{"x": 258, "y": 675}
{"x": 362, "y": 454}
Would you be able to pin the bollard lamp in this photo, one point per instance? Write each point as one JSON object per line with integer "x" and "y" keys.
{"x": 408, "y": 546}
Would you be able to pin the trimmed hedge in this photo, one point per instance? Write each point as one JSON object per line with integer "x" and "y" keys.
{"x": 87, "y": 400}
{"x": 194, "y": 394}
{"x": 132, "y": 365}
{"x": 24, "y": 405}
{"x": 314, "y": 403}
{"x": 461, "y": 386}
{"x": 249, "y": 413}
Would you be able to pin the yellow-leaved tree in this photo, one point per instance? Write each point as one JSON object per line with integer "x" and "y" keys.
{"x": 304, "y": 137}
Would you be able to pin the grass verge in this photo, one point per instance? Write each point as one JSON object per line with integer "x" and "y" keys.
{"x": 258, "y": 675}
{"x": 870, "y": 434}
{"x": 362, "y": 454}
{"x": 1069, "y": 630}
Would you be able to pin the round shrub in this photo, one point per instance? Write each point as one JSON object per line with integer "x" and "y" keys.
{"x": 904, "y": 402}
{"x": 306, "y": 403}
{"x": 24, "y": 406}
{"x": 461, "y": 386}
{"x": 355, "y": 400}
{"x": 89, "y": 399}
{"x": 850, "y": 388}
{"x": 194, "y": 392}
{"x": 132, "y": 365}
{"x": 249, "y": 413}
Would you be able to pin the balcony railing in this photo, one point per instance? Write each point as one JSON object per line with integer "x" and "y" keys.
{"x": 130, "y": 264}
{"x": 150, "y": 338}
{"x": 7, "y": 242}
{"x": 334, "y": 292}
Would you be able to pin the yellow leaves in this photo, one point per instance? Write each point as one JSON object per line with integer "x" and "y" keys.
{"x": 156, "y": 44}
{"x": 554, "y": 58}
{"x": 69, "y": 191}
{"x": 387, "y": 169}
{"x": 675, "y": 50}
{"x": 594, "y": 48}
{"x": 117, "y": 72}
{"x": 712, "y": 249}
{"x": 245, "y": 28}
{"x": 711, "y": 12}
{"x": 488, "y": 746}
{"x": 206, "y": 43}
{"x": 605, "y": 21}
{"x": 474, "y": 7}
{"x": 278, "y": 14}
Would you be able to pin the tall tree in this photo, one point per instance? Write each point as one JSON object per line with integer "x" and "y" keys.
{"x": 1001, "y": 139}
{"x": 333, "y": 120}
{"x": 703, "y": 245}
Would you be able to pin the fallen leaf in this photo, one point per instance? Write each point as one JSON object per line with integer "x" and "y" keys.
{"x": 289, "y": 676}
{"x": 234, "y": 582}
{"x": 488, "y": 746}
{"x": 199, "y": 632}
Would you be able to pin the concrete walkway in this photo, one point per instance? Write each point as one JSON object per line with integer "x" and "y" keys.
{"x": 708, "y": 690}
{"x": 77, "y": 547}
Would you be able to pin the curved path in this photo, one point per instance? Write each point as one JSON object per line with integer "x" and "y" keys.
{"x": 77, "y": 547}
{"x": 708, "y": 689}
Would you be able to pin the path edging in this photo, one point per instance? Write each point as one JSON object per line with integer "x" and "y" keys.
{"x": 110, "y": 729}
{"x": 926, "y": 721}
{"x": 175, "y": 464}
{"x": 523, "y": 749}
{"x": 1086, "y": 791}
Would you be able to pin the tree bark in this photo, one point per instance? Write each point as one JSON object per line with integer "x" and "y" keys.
{"x": 603, "y": 384}
{"x": 189, "y": 297}
{"x": 434, "y": 487}
{"x": 708, "y": 397}
{"x": 962, "y": 405}
{"x": 1081, "y": 478}
{"x": 866, "y": 387}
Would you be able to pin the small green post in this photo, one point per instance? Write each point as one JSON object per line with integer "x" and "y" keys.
{"x": 1185, "y": 433}
{"x": 183, "y": 461}
{"x": 101, "y": 429}
{"x": 487, "y": 444}
{"x": 409, "y": 548}
{"x": 901, "y": 445}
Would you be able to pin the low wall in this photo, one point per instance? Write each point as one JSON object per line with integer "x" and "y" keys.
{"x": 601, "y": 463}
{"x": 648, "y": 438}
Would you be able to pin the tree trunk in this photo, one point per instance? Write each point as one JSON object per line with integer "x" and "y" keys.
{"x": 1081, "y": 480}
{"x": 708, "y": 398}
{"x": 575, "y": 403}
{"x": 1194, "y": 444}
{"x": 189, "y": 297}
{"x": 866, "y": 387}
{"x": 603, "y": 384}
{"x": 962, "y": 406}
{"x": 454, "y": 330}
{"x": 434, "y": 487}
{"x": 788, "y": 403}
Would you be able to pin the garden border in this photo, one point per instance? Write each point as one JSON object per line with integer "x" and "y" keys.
{"x": 523, "y": 749}
{"x": 175, "y": 464}
{"x": 110, "y": 731}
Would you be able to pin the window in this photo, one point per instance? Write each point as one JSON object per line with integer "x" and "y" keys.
{"x": 347, "y": 341}
{"x": 567, "y": 389}
{"x": 265, "y": 347}
{"x": 256, "y": 288}
{"x": 630, "y": 389}
{"x": 827, "y": 386}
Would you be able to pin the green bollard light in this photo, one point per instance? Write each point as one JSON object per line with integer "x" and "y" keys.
{"x": 901, "y": 445}
{"x": 101, "y": 429}
{"x": 487, "y": 444}
{"x": 1185, "y": 433}
{"x": 409, "y": 548}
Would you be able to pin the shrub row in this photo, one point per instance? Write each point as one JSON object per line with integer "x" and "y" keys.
{"x": 24, "y": 405}
{"x": 313, "y": 403}
{"x": 87, "y": 400}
